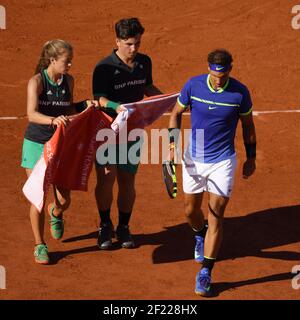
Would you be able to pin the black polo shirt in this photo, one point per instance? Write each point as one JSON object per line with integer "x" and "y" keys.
{"x": 113, "y": 79}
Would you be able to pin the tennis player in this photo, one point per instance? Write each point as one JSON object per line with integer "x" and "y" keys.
{"x": 216, "y": 101}
{"x": 124, "y": 76}
{"x": 49, "y": 102}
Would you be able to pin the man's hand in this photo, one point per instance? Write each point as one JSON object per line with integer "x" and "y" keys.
{"x": 248, "y": 168}
{"x": 120, "y": 108}
{"x": 172, "y": 152}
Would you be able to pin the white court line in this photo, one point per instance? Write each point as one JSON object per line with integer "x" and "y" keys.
{"x": 255, "y": 113}
{"x": 10, "y": 118}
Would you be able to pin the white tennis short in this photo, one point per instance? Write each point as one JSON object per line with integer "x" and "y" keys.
{"x": 217, "y": 178}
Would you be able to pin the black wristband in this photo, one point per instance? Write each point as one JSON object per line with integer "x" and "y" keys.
{"x": 250, "y": 150}
{"x": 80, "y": 106}
{"x": 173, "y": 135}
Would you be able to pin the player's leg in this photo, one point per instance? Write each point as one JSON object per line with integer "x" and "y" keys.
{"x": 194, "y": 183}
{"x": 216, "y": 208}
{"x": 195, "y": 218}
{"x": 31, "y": 153}
{"x": 37, "y": 220}
{"x": 106, "y": 175}
{"x": 192, "y": 209}
{"x": 56, "y": 209}
{"x": 213, "y": 239}
{"x": 126, "y": 199}
{"x": 219, "y": 185}
{"x": 128, "y": 157}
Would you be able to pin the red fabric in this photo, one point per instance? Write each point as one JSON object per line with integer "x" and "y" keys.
{"x": 73, "y": 148}
{"x": 69, "y": 155}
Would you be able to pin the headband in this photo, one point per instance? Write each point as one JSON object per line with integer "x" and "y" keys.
{"x": 219, "y": 67}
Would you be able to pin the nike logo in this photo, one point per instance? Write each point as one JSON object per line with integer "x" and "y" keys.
{"x": 217, "y": 68}
{"x": 211, "y": 108}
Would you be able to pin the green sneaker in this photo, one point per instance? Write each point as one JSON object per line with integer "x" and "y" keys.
{"x": 41, "y": 254}
{"x": 56, "y": 224}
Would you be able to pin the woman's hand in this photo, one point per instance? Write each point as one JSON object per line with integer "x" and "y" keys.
{"x": 92, "y": 103}
{"x": 60, "y": 120}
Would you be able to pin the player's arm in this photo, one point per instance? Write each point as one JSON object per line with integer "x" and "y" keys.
{"x": 174, "y": 127}
{"x": 249, "y": 137}
{"x": 108, "y": 104}
{"x": 34, "y": 89}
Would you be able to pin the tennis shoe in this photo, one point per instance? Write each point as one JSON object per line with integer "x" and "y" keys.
{"x": 124, "y": 236}
{"x": 56, "y": 224}
{"x": 41, "y": 254}
{"x": 199, "y": 249}
{"x": 106, "y": 233}
{"x": 203, "y": 283}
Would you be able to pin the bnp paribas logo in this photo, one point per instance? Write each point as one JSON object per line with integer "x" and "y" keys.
{"x": 2, "y": 18}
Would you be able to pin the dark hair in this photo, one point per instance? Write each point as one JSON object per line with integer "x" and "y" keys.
{"x": 220, "y": 56}
{"x": 128, "y": 28}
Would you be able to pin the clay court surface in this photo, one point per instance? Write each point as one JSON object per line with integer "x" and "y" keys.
{"x": 262, "y": 230}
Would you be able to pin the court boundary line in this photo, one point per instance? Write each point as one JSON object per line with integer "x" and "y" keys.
{"x": 255, "y": 113}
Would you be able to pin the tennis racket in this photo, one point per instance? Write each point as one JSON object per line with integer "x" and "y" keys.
{"x": 169, "y": 175}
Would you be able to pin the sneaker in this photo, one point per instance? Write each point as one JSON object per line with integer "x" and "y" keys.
{"x": 199, "y": 249}
{"x": 124, "y": 236}
{"x": 56, "y": 224}
{"x": 203, "y": 280}
{"x": 41, "y": 254}
{"x": 106, "y": 232}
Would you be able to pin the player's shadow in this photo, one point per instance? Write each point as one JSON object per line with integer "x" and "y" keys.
{"x": 219, "y": 287}
{"x": 256, "y": 234}
{"x": 58, "y": 255}
{"x": 91, "y": 235}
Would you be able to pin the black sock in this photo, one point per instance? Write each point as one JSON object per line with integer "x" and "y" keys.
{"x": 201, "y": 232}
{"x": 208, "y": 263}
{"x": 124, "y": 217}
{"x": 105, "y": 216}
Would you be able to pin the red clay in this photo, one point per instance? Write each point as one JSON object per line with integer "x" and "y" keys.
{"x": 262, "y": 230}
